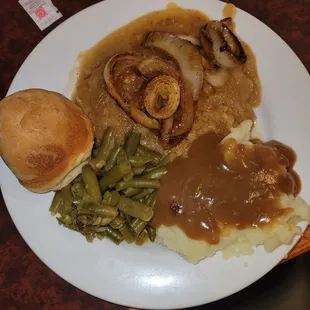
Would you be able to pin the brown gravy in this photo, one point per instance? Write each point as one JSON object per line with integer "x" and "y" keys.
{"x": 218, "y": 112}
{"x": 229, "y": 10}
{"x": 221, "y": 186}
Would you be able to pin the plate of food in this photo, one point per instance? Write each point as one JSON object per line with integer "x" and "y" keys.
{"x": 155, "y": 155}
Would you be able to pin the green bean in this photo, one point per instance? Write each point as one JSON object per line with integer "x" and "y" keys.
{"x": 129, "y": 176}
{"x": 83, "y": 219}
{"x": 151, "y": 232}
{"x": 56, "y": 203}
{"x": 114, "y": 175}
{"x": 127, "y": 233}
{"x": 94, "y": 229}
{"x": 148, "y": 199}
{"x": 130, "y": 191}
{"x": 117, "y": 223}
{"x": 85, "y": 211}
{"x": 114, "y": 235}
{"x": 164, "y": 161}
{"x": 132, "y": 143}
{"x": 100, "y": 236}
{"x": 91, "y": 183}
{"x": 152, "y": 201}
{"x": 66, "y": 220}
{"x": 87, "y": 229}
{"x": 138, "y": 183}
{"x": 144, "y": 151}
{"x": 104, "y": 210}
{"x": 132, "y": 171}
{"x": 138, "y": 225}
{"x": 122, "y": 215}
{"x": 73, "y": 216}
{"x": 106, "y": 221}
{"x": 99, "y": 173}
{"x": 97, "y": 221}
{"x": 89, "y": 237}
{"x": 112, "y": 158}
{"x": 155, "y": 174}
{"x": 107, "y": 144}
{"x": 110, "y": 198}
{"x": 138, "y": 171}
{"x": 66, "y": 206}
{"x": 101, "y": 229}
{"x": 135, "y": 209}
{"x": 128, "y": 218}
{"x": 122, "y": 156}
{"x": 138, "y": 161}
{"x": 76, "y": 201}
{"x": 142, "y": 194}
{"x": 142, "y": 238}
{"x": 85, "y": 201}
{"x": 78, "y": 189}
{"x": 97, "y": 163}
{"x": 149, "y": 167}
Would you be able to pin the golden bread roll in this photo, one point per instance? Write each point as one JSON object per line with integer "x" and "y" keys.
{"x": 45, "y": 139}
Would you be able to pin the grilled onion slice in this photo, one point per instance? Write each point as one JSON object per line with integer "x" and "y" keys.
{"x": 185, "y": 53}
{"x": 154, "y": 91}
{"x": 226, "y": 48}
{"x": 217, "y": 78}
{"x": 162, "y": 87}
{"x": 129, "y": 58}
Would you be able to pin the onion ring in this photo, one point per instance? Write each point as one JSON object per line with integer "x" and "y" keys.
{"x": 166, "y": 87}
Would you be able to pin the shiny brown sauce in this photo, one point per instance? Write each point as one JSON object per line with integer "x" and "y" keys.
{"x": 227, "y": 185}
{"x": 230, "y": 11}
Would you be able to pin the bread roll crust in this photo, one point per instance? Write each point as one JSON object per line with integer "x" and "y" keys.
{"x": 45, "y": 139}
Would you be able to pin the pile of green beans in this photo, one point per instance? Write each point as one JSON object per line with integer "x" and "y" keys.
{"x": 115, "y": 195}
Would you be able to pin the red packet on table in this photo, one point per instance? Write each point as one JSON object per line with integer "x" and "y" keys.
{"x": 42, "y": 12}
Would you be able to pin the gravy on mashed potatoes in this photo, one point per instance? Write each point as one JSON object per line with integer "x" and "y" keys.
{"x": 222, "y": 185}
{"x": 229, "y": 195}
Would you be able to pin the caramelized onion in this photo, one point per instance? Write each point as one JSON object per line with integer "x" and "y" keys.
{"x": 141, "y": 118}
{"x": 152, "y": 90}
{"x": 188, "y": 113}
{"x": 206, "y": 45}
{"x": 194, "y": 40}
{"x": 185, "y": 53}
{"x": 129, "y": 57}
{"x": 120, "y": 80}
{"x": 226, "y": 48}
{"x": 166, "y": 130}
{"x": 217, "y": 78}
{"x": 162, "y": 87}
{"x": 153, "y": 66}
{"x": 228, "y": 21}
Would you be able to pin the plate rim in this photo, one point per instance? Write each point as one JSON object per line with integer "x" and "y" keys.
{"x": 5, "y": 197}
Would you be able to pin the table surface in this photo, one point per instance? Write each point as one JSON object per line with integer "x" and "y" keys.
{"x": 26, "y": 283}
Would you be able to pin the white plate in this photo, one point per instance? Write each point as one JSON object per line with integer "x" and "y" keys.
{"x": 153, "y": 276}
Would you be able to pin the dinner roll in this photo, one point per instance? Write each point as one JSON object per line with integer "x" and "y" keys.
{"x": 45, "y": 139}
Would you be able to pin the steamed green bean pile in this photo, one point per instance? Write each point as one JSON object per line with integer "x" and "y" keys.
{"x": 115, "y": 195}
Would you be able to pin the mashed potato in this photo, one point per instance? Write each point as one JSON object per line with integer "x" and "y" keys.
{"x": 240, "y": 242}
